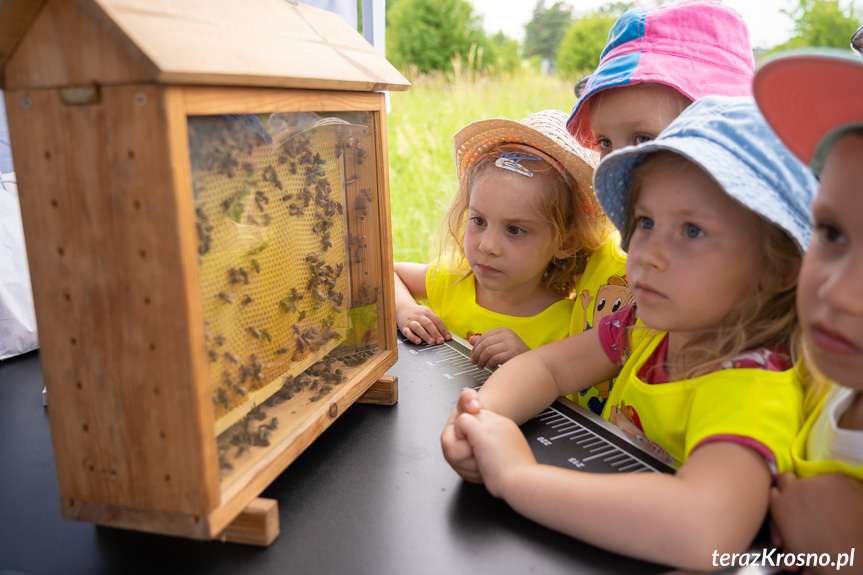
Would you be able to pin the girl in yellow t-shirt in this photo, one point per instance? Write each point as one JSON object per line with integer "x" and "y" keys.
{"x": 714, "y": 216}
{"x": 818, "y": 510}
{"x": 521, "y": 231}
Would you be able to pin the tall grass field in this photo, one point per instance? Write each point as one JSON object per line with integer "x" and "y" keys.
{"x": 420, "y": 130}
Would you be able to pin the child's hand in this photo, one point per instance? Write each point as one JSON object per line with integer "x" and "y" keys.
{"x": 499, "y": 447}
{"x": 496, "y": 346}
{"x": 456, "y": 450}
{"x": 420, "y": 324}
{"x": 821, "y": 514}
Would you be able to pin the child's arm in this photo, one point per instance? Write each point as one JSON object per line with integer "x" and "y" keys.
{"x": 715, "y": 503}
{"x": 525, "y": 385}
{"x": 821, "y": 514}
{"x": 417, "y": 322}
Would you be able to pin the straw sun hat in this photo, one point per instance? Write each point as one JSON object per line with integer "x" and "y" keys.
{"x": 544, "y": 131}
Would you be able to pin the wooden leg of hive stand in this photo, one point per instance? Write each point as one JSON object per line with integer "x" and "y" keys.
{"x": 258, "y": 524}
{"x": 384, "y": 391}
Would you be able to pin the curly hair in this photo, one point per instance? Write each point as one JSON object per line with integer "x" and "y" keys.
{"x": 767, "y": 317}
{"x": 569, "y": 210}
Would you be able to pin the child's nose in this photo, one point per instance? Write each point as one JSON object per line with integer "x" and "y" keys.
{"x": 489, "y": 244}
{"x": 649, "y": 250}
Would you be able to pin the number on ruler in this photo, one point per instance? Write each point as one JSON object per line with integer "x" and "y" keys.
{"x": 448, "y": 376}
{"x": 429, "y": 363}
{"x": 544, "y": 441}
{"x": 577, "y": 462}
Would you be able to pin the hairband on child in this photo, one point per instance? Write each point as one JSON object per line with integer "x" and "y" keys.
{"x": 510, "y": 161}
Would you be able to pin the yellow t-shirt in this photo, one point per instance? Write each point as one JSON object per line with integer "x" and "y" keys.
{"x": 820, "y": 428}
{"x": 600, "y": 291}
{"x": 755, "y": 407}
{"x": 455, "y": 303}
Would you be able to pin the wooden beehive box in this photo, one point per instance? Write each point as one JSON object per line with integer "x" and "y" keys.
{"x": 204, "y": 194}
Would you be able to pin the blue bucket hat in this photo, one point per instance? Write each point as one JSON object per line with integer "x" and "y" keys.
{"x": 729, "y": 139}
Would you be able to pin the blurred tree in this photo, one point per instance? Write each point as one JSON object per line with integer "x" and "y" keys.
{"x": 545, "y": 31}
{"x": 581, "y": 46}
{"x": 502, "y": 54}
{"x": 617, "y": 9}
{"x": 586, "y": 38}
{"x": 821, "y": 23}
{"x": 427, "y": 34}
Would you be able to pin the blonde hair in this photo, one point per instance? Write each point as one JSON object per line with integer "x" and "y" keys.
{"x": 677, "y": 101}
{"x": 568, "y": 209}
{"x": 815, "y": 383}
{"x": 767, "y": 318}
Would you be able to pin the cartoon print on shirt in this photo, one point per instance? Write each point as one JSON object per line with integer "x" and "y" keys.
{"x": 626, "y": 419}
{"x": 610, "y": 297}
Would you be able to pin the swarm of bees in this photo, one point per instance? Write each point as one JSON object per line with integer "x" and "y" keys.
{"x": 256, "y": 428}
{"x": 261, "y": 185}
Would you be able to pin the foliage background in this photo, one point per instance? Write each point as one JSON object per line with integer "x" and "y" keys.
{"x": 420, "y": 131}
{"x": 461, "y": 75}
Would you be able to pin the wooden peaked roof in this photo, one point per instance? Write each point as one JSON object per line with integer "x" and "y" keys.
{"x": 267, "y": 43}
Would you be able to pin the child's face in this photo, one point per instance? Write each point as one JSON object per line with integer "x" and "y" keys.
{"x": 631, "y": 115}
{"x": 507, "y": 243}
{"x": 830, "y": 292}
{"x": 692, "y": 255}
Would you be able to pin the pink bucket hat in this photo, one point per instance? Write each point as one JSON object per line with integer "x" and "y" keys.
{"x": 810, "y": 98}
{"x": 698, "y": 47}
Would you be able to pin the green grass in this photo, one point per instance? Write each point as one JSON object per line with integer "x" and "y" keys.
{"x": 420, "y": 132}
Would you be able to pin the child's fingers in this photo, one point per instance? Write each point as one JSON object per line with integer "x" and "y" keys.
{"x": 489, "y": 352}
{"x": 424, "y": 330}
{"x": 445, "y": 333}
{"x": 412, "y": 337}
{"x": 468, "y": 402}
{"x": 496, "y": 346}
{"x": 459, "y": 454}
{"x": 433, "y": 329}
{"x": 467, "y": 424}
{"x": 480, "y": 343}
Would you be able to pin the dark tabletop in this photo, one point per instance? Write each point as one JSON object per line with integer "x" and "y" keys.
{"x": 373, "y": 494}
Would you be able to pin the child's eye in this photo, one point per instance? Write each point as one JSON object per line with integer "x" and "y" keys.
{"x": 831, "y": 234}
{"x": 641, "y": 138}
{"x": 514, "y": 230}
{"x": 477, "y": 221}
{"x": 692, "y": 231}
{"x": 644, "y": 223}
{"x": 603, "y": 143}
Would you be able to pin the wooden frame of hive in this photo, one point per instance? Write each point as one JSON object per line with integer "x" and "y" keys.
{"x": 98, "y": 96}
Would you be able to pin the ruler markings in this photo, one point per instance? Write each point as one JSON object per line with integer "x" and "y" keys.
{"x": 578, "y": 440}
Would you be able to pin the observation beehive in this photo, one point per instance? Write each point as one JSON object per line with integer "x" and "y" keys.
{"x": 203, "y": 187}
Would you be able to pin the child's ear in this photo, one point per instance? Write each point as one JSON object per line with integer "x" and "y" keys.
{"x": 569, "y": 247}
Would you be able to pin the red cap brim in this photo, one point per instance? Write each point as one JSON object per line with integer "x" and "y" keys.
{"x": 804, "y": 94}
